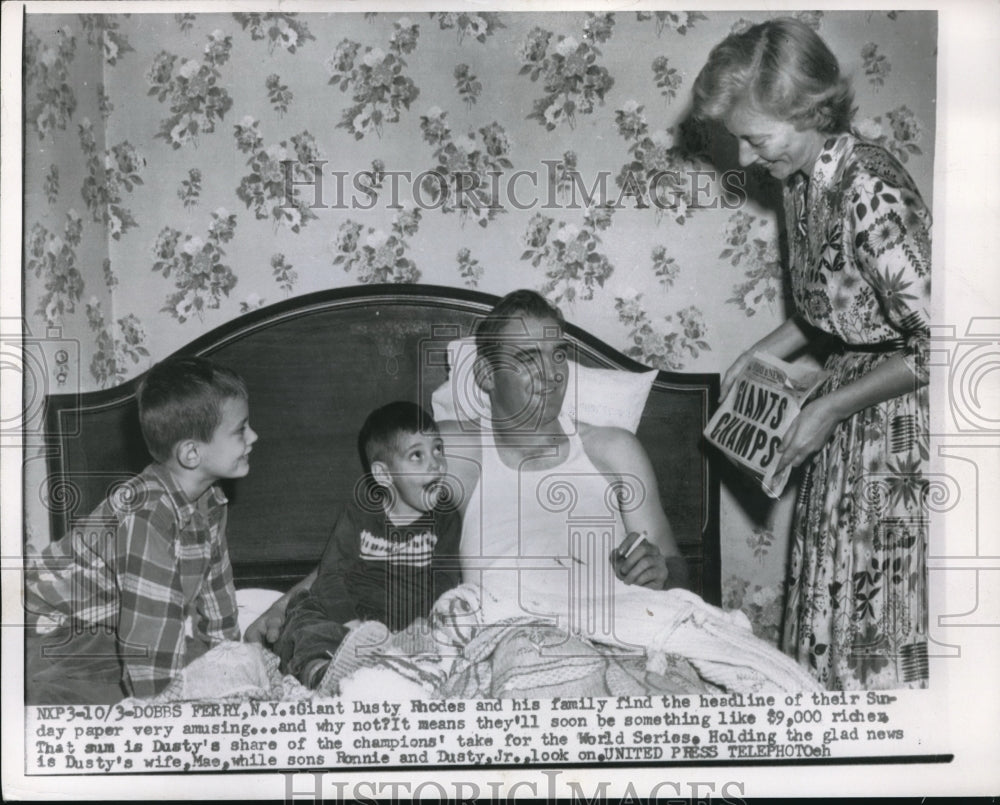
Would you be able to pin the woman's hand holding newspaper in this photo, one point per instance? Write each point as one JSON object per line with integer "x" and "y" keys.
{"x": 754, "y": 420}
{"x": 785, "y": 339}
{"x": 808, "y": 432}
{"x": 734, "y": 371}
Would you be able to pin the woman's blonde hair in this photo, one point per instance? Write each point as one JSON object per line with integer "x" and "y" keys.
{"x": 782, "y": 68}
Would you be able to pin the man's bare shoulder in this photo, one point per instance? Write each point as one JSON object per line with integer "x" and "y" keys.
{"x": 605, "y": 436}
{"x": 458, "y": 432}
{"x": 611, "y": 448}
{"x": 461, "y": 439}
{"x": 463, "y": 452}
{"x": 453, "y": 426}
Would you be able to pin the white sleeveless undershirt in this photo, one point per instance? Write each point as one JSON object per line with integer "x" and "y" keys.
{"x": 539, "y": 542}
{"x": 531, "y": 536}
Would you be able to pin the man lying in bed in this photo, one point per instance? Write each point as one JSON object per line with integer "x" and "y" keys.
{"x": 565, "y": 549}
{"x": 511, "y": 472}
{"x": 550, "y": 509}
{"x": 562, "y": 500}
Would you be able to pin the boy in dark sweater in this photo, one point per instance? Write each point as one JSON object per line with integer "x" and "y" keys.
{"x": 393, "y": 550}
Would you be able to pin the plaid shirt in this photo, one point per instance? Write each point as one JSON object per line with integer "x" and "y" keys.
{"x": 138, "y": 565}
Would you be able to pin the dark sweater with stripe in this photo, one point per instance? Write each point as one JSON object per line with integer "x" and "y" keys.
{"x": 374, "y": 569}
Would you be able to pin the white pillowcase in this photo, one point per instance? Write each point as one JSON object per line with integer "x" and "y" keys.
{"x": 603, "y": 397}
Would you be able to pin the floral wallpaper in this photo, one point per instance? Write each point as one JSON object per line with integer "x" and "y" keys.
{"x": 182, "y": 169}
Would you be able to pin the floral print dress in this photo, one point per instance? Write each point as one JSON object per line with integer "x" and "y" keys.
{"x": 859, "y": 247}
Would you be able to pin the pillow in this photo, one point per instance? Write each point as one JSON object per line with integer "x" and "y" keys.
{"x": 253, "y": 602}
{"x": 603, "y": 397}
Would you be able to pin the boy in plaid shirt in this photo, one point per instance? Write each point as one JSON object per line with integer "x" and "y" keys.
{"x": 119, "y": 587}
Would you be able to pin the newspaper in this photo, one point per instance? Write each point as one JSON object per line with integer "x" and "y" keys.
{"x": 761, "y": 405}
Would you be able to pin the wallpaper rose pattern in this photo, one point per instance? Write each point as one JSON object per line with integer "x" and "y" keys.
{"x": 183, "y": 169}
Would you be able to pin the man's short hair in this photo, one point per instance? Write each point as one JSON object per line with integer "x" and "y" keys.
{"x": 182, "y": 398}
{"x": 516, "y": 305}
{"x": 379, "y": 436}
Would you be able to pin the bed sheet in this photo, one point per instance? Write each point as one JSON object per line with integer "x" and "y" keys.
{"x": 461, "y": 651}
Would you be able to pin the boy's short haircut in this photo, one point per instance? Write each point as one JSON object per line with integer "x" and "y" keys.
{"x": 182, "y": 398}
{"x": 379, "y": 436}
{"x": 518, "y": 304}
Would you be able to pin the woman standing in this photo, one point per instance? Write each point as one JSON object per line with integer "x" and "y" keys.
{"x": 859, "y": 256}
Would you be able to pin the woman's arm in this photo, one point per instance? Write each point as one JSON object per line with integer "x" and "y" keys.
{"x": 814, "y": 425}
{"x": 788, "y": 337}
{"x": 898, "y": 272}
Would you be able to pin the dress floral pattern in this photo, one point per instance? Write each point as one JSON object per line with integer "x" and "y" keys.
{"x": 859, "y": 245}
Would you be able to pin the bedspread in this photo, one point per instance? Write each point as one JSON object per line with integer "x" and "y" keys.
{"x": 472, "y": 647}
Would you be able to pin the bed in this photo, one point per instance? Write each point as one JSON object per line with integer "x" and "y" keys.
{"x": 315, "y": 366}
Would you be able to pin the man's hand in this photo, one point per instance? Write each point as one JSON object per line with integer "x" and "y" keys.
{"x": 639, "y": 561}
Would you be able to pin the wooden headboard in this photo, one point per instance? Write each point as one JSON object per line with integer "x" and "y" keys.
{"x": 316, "y": 365}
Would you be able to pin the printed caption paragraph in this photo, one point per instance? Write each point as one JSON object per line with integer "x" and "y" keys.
{"x": 312, "y": 734}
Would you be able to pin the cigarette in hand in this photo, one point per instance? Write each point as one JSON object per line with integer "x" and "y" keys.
{"x": 632, "y": 547}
